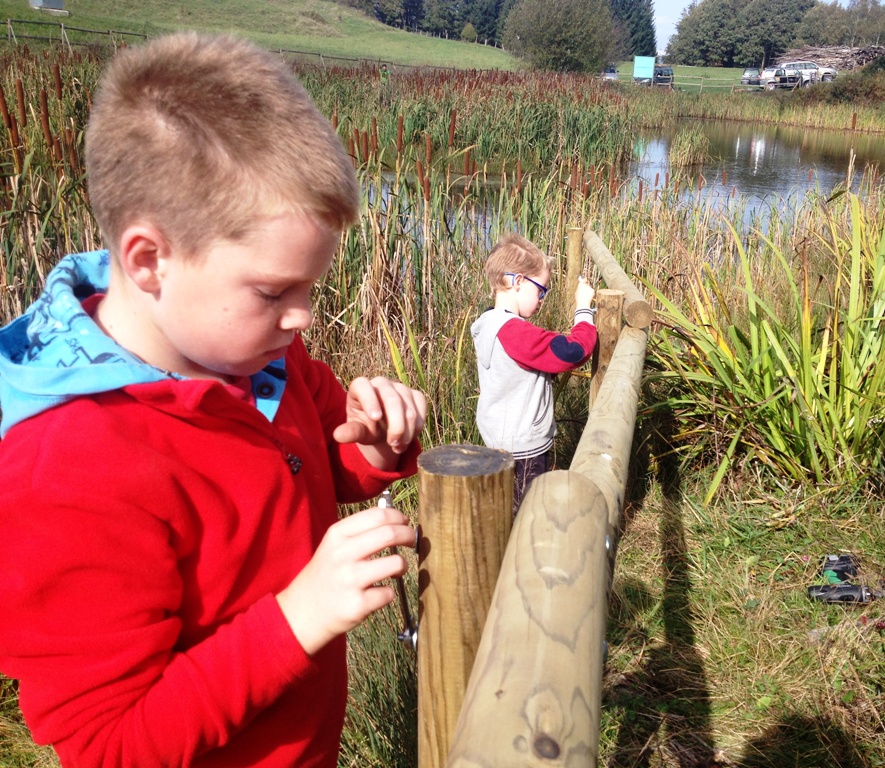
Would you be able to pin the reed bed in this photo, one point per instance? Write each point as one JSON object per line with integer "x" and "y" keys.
{"x": 654, "y": 107}
{"x": 446, "y": 165}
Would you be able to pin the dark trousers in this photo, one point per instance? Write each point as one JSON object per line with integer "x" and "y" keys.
{"x": 524, "y": 472}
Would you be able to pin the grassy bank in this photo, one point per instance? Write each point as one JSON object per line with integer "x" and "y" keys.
{"x": 315, "y": 26}
{"x": 717, "y": 656}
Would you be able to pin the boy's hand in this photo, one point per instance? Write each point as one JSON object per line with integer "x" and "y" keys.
{"x": 383, "y": 417}
{"x": 338, "y": 587}
{"x": 583, "y": 294}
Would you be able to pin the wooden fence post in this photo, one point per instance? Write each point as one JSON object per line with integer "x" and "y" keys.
{"x": 609, "y": 318}
{"x": 534, "y": 697}
{"x": 465, "y": 516}
{"x": 606, "y": 444}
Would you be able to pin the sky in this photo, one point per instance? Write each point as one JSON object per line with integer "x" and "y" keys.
{"x": 667, "y": 15}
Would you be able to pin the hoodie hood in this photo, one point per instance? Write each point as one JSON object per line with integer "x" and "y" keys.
{"x": 55, "y": 351}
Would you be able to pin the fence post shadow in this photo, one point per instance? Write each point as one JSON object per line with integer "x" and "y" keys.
{"x": 666, "y": 700}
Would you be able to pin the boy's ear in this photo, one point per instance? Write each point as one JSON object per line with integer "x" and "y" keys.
{"x": 143, "y": 255}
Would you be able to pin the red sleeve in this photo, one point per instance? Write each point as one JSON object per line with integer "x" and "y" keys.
{"x": 539, "y": 350}
{"x": 355, "y": 478}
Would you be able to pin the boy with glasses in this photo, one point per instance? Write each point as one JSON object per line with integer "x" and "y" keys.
{"x": 517, "y": 358}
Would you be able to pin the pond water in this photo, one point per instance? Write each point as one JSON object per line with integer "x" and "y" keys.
{"x": 766, "y": 166}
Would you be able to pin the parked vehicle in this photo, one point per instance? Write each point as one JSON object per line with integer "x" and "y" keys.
{"x": 786, "y": 78}
{"x": 811, "y": 72}
{"x": 750, "y": 76}
{"x": 766, "y": 76}
{"x": 807, "y": 72}
{"x": 663, "y": 76}
{"x": 610, "y": 72}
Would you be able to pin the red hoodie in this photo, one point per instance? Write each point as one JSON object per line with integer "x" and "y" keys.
{"x": 145, "y": 534}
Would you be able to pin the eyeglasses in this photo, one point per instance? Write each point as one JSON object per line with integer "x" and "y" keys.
{"x": 542, "y": 289}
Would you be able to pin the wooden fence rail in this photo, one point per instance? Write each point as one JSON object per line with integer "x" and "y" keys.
{"x": 534, "y": 692}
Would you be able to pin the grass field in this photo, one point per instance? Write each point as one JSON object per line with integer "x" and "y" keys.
{"x": 304, "y": 25}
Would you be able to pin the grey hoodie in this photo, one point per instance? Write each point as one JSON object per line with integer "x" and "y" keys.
{"x": 515, "y": 409}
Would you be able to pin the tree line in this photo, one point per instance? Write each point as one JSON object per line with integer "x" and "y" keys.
{"x": 563, "y": 35}
{"x": 737, "y": 33}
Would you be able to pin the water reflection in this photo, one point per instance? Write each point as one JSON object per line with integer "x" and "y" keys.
{"x": 763, "y": 163}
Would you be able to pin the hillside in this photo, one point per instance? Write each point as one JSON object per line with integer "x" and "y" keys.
{"x": 317, "y": 26}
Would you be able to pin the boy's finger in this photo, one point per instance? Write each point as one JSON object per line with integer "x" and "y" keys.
{"x": 367, "y": 520}
{"x": 365, "y": 393}
{"x": 352, "y": 432}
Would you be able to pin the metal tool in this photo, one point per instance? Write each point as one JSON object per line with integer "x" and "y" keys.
{"x": 409, "y": 634}
{"x": 843, "y": 593}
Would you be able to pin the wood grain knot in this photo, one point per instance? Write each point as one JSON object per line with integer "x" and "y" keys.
{"x": 545, "y": 747}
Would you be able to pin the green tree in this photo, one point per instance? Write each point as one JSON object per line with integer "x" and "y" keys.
{"x": 389, "y": 12}
{"x": 767, "y": 29}
{"x": 468, "y": 34}
{"x": 483, "y": 14}
{"x": 634, "y": 20}
{"x": 561, "y": 35}
{"x": 824, "y": 24}
{"x": 438, "y": 18}
{"x": 707, "y": 34}
{"x": 866, "y": 21}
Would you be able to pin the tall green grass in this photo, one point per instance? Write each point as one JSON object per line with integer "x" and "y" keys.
{"x": 779, "y": 358}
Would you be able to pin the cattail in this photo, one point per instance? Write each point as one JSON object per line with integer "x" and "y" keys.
{"x": 44, "y": 121}
{"x": 657, "y": 177}
{"x": 374, "y": 137}
{"x": 335, "y": 122}
{"x": 518, "y": 175}
{"x": 399, "y": 134}
{"x": 4, "y": 108}
{"x": 57, "y": 75}
{"x": 20, "y": 100}
{"x": 452, "y": 122}
{"x": 419, "y": 170}
{"x": 640, "y": 190}
{"x": 724, "y": 178}
{"x": 365, "y": 145}
{"x": 467, "y": 162}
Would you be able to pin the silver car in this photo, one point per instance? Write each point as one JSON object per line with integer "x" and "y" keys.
{"x": 807, "y": 71}
{"x": 811, "y": 72}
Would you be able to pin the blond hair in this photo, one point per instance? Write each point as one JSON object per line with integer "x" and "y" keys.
{"x": 513, "y": 253}
{"x": 202, "y": 135}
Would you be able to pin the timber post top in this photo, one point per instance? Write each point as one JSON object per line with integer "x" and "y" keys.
{"x": 465, "y": 460}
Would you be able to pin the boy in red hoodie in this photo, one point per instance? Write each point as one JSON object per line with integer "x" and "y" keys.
{"x": 176, "y": 585}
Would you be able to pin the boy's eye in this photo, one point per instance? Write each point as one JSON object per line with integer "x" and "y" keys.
{"x": 270, "y": 298}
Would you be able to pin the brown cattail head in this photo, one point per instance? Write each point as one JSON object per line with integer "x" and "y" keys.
{"x": 20, "y": 101}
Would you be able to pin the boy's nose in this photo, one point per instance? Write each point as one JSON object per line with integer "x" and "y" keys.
{"x": 298, "y": 318}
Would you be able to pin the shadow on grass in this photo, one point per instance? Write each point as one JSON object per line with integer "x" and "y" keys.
{"x": 665, "y": 699}
{"x": 806, "y": 742}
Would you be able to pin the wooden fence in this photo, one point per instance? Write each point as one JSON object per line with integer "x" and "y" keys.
{"x": 513, "y": 675}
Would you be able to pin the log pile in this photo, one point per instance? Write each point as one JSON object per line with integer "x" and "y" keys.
{"x": 841, "y": 57}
